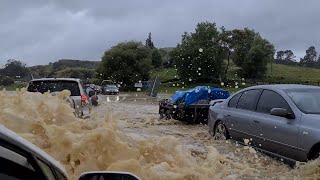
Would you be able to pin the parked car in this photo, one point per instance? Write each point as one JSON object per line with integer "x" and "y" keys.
{"x": 80, "y": 100}
{"x": 92, "y": 95}
{"x": 94, "y": 87}
{"x": 98, "y": 89}
{"x": 22, "y": 160}
{"x": 280, "y": 120}
{"x": 107, "y": 82}
{"x": 110, "y": 89}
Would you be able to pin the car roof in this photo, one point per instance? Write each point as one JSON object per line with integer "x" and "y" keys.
{"x": 282, "y": 86}
{"x": 56, "y": 79}
{"x": 13, "y": 138}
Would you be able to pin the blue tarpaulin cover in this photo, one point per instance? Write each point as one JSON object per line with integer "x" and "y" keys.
{"x": 199, "y": 93}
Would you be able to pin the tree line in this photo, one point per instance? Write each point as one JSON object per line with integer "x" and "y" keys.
{"x": 311, "y": 58}
{"x": 202, "y": 56}
{"x": 15, "y": 70}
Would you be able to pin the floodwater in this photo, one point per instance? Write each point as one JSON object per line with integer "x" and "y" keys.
{"x": 125, "y": 134}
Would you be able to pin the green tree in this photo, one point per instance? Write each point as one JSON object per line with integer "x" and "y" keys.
{"x": 289, "y": 56}
{"x": 310, "y": 58}
{"x": 242, "y": 40}
{"x": 280, "y": 56}
{"x": 256, "y": 60}
{"x": 126, "y": 63}
{"x": 75, "y": 72}
{"x": 167, "y": 60}
{"x": 15, "y": 69}
{"x": 149, "y": 43}
{"x": 199, "y": 56}
{"x": 6, "y": 81}
{"x": 285, "y": 57}
{"x": 156, "y": 58}
{"x": 225, "y": 41}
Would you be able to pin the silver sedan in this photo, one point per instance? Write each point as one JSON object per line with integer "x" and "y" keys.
{"x": 280, "y": 120}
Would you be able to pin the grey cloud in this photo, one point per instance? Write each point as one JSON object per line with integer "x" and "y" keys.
{"x": 38, "y": 31}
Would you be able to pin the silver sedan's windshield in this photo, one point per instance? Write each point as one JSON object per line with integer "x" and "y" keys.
{"x": 307, "y": 100}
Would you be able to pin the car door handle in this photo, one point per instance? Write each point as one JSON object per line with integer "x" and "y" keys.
{"x": 228, "y": 115}
{"x": 256, "y": 121}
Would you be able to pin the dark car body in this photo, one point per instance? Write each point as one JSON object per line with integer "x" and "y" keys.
{"x": 272, "y": 117}
{"x": 110, "y": 89}
{"x": 97, "y": 88}
{"x": 92, "y": 94}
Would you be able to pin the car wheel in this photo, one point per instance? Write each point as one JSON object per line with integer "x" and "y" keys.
{"x": 220, "y": 132}
{"x": 168, "y": 115}
{"x": 314, "y": 153}
{"x": 162, "y": 114}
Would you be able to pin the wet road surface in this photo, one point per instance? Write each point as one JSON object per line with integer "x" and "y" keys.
{"x": 138, "y": 117}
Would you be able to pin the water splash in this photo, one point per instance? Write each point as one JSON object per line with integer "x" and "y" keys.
{"x": 99, "y": 143}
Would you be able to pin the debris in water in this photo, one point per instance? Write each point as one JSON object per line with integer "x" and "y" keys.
{"x": 252, "y": 151}
{"x": 246, "y": 141}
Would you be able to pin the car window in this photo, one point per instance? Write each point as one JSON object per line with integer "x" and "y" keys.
{"x": 234, "y": 100}
{"x": 54, "y": 86}
{"x": 270, "y": 99}
{"x": 60, "y": 175}
{"x": 306, "y": 99}
{"x": 46, "y": 170}
{"x": 248, "y": 99}
{"x": 15, "y": 166}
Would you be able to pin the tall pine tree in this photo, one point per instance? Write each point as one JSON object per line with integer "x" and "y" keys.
{"x": 149, "y": 43}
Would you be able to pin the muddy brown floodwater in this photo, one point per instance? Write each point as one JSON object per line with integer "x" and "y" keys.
{"x": 125, "y": 134}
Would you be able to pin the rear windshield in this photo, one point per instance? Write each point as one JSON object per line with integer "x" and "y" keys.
{"x": 106, "y": 82}
{"x": 54, "y": 86}
{"x": 112, "y": 87}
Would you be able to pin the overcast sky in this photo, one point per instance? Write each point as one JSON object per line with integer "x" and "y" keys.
{"x": 43, "y": 31}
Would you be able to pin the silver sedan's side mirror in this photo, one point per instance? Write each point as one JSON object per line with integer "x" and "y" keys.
{"x": 108, "y": 175}
{"x": 282, "y": 113}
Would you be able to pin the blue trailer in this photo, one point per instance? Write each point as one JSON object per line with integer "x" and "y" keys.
{"x": 191, "y": 105}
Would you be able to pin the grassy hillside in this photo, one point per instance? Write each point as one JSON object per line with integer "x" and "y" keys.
{"x": 66, "y": 68}
{"x": 280, "y": 74}
{"x": 294, "y": 73}
{"x": 165, "y": 74}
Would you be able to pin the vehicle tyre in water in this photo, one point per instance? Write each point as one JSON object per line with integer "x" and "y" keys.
{"x": 168, "y": 114}
{"x": 220, "y": 132}
{"x": 162, "y": 114}
{"x": 314, "y": 153}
